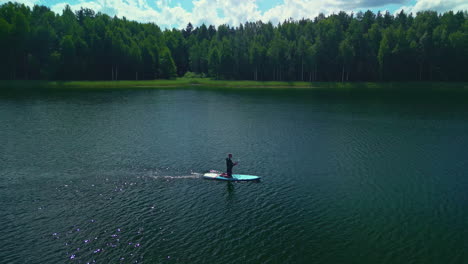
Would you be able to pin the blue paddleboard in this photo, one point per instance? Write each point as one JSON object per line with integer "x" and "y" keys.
{"x": 235, "y": 177}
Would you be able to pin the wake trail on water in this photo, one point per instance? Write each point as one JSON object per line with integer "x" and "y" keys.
{"x": 193, "y": 175}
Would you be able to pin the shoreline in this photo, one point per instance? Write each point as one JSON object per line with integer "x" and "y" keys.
{"x": 199, "y": 83}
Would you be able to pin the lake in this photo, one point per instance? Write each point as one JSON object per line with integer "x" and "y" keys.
{"x": 347, "y": 177}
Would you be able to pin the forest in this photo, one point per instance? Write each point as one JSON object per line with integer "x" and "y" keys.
{"x": 37, "y": 44}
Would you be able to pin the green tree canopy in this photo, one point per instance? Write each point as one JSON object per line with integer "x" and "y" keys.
{"x": 35, "y": 43}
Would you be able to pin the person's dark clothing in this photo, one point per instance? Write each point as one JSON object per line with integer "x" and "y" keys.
{"x": 229, "y": 165}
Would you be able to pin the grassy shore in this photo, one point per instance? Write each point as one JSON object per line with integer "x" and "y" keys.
{"x": 225, "y": 84}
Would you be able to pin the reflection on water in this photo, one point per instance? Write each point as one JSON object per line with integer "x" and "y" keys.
{"x": 230, "y": 190}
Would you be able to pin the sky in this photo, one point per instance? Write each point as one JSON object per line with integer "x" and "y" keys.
{"x": 178, "y": 13}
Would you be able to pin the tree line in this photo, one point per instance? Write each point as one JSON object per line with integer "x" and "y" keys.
{"x": 37, "y": 44}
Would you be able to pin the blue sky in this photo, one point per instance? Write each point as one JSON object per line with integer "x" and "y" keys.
{"x": 177, "y": 13}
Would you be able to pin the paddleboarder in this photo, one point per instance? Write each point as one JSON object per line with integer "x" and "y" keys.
{"x": 229, "y": 165}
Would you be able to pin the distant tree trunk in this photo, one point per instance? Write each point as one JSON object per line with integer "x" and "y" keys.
{"x": 430, "y": 72}
{"x": 315, "y": 75}
{"x": 420, "y": 70}
{"x": 112, "y": 69}
{"x": 302, "y": 70}
{"x": 25, "y": 61}
{"x": 342, "y": 74}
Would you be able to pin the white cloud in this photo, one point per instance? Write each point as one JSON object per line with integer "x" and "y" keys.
{"x": 240, "y": 11}
{"x": 214, "y": 12}
{"x": 29, "y": 3}
{"x": 138, "y": 10}
{"x": 436, "y": 5}
{"x": 205, "y": 11}
{"x": 58, "y": 8}
{"x": 299, "y": 9}
{"x": 210, "y": 12}
{"x": 234, "y": 12}
{"x": 172, "y": 16}
{"x": 131, "y": 9}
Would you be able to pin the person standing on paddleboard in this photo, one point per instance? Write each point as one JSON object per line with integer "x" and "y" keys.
{"x": 229, "y": 165}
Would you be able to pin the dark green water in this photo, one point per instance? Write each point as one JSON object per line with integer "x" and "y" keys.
{"x": 112, "y": 177}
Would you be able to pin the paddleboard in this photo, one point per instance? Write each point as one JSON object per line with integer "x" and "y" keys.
{"x": 212, "y": 175}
